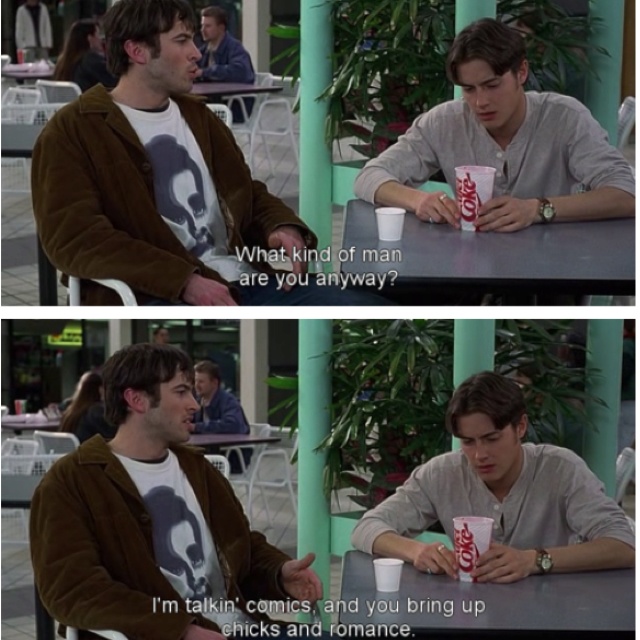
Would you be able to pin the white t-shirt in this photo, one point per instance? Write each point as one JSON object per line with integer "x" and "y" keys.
{"x": 182, "y": 542}
{"x": 185, "y": 194}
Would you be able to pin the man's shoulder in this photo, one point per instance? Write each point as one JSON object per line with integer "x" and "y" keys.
{"x": 549, "y": 456}
{"x": 555, "y": 103}
{"x": 446, "y": 111}
{"x": 443, "y": 464}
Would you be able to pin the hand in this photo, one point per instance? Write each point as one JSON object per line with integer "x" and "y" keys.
{"x": 436, "y": 558}
{"x": 505, "y": 214}
{"x": 299, "y": 581}
{"x": 504, "y": 564}
{"x": 437, "y": 207}
{"x": 194, "y": 632}
{"x": 204, "y": 292}
{"x": 288, "y": 237}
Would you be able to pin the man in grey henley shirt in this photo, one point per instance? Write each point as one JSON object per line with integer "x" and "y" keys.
{"x": 550, "y": 511}
{"x": 552, "y": 159}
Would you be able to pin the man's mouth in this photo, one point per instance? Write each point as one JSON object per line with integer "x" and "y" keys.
{"x": 489, "y": 115}
{"x": 486, "y": 468}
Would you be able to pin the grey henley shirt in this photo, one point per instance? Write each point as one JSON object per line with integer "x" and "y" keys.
{"x": 559, "y": 149}
{"x": 556, "y": 501}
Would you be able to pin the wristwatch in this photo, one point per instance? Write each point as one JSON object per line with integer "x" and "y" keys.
{"x": 546, "y": 210}
{"x": 544, "y": 561}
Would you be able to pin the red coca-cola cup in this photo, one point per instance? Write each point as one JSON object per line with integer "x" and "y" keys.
{"x": 474, "y": 187}
{"x": 472, "y": 537}
{"x": 20, "y": 56}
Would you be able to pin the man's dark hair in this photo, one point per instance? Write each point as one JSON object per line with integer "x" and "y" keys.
{"x": 210, "y": 368}
{"x": 217, "y": 13}
{"x": 490, "y": 393}
{"x": 141, "y": 21}
{"x": 500, "y": 46}
{"x": 157, "y": 330}
{"x": 143, "y": 367}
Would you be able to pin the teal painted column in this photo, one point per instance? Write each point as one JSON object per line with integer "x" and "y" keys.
{"x": 314, "y": 525}
{"x": 603, "y": 93}
{"x": 473, "y": 351}
{"x": 468, "y": 11}
{"x": 604, "y": 371}
{"x": 316, "y": 44}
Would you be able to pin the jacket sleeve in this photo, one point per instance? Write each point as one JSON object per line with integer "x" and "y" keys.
{"x": 230, "y": 420}
{"x": 75, "y": 232}
{"x": 238, "y": 67}
{"x": 71, "y": 579}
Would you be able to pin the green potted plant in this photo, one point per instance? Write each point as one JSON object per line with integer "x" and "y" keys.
{"x": 392, "y": 381}
{"x": 389, "y": 60}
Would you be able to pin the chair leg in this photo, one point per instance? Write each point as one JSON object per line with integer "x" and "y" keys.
{"x": 269, "y": 160}
{"x": 266, "y": 506}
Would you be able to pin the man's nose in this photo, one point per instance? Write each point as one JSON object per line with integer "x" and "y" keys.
{"x": 193, "y": 405}
{"x": 195, "y": 54}
{"x": 481, "y": 98}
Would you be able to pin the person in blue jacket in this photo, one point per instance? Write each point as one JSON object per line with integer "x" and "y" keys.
{"x": 220, "y": 411}
{"x": 224, "y": 58}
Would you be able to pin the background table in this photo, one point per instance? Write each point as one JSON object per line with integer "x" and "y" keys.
{"x": 582, "y": 258}
{"x": 599, "y": 601}
{"x": 19, "y": 424}
{"x": 27, "y": 71}
{"x": 215, "y": 441}
{"x": 223, "y": 89}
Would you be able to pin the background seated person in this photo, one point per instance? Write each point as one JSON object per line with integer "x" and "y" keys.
{"x": 552, "y": 159}
{"x": 121, "y": 529}
{"x": 82, "y": 59}
{"x": 550, "y": 510}
{"x": 220, "y": 411}
{"x": 224, "y": 58}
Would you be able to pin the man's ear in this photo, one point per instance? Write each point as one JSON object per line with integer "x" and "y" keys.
{"x": 138, "y": 52}
{"x": 137, "y": 400}
{"x": 521, "y": 427}
{"x": 523, "y": 72}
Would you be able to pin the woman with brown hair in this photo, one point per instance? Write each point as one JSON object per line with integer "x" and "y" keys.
{"x": 82, "y": 59}
{"x": 85, "y": 415}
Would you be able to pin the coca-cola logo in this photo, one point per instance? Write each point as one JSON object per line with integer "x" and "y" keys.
{"x": 468, "y": 199}
{"x": 466, "y": 550}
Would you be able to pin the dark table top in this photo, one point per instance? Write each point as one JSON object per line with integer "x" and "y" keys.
{"x": 20, "y": 424}
{"x": 592, "y": 601}
{"x": 229, "y": 89}
{"x": 577, "y": 257}
{"x": 228, "y": 439}
{"x": 27, "y": 71}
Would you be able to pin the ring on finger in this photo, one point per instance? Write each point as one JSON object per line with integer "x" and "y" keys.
{"x": 429, "y": 572}
{"x": 431, "y": 220}
{"x": 443, "y": 197}
{"x": 440, "y": 548}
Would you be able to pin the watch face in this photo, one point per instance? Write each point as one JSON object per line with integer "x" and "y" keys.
{"x": 548, "y": 212}
{"x": 546, "y": 563}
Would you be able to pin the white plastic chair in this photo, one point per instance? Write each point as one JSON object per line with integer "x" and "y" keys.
{"x": 4, "y": 59}
{"x": 21, "y": 474}
{"x": 20, "y": 95}
{"x": 626, "y": 120}
{"x": 58, "y": 90}
{"x": 56, "y": 442}
{"x": 19, "y": 446}
{"x": 625, "y": 468}
{"x": 273, "y": 468}
{"x": 16, "y": 171}
{"x": 223, "y": 112}
{"x": 221, "y": 463}
{"x": 121, "y": 288}
{"x": 244, "y": 479}
{"x": 261, "y": 80}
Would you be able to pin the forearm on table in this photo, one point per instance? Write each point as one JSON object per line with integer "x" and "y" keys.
{"x": 394, "y": 194}
{"x": 603, "y": 553}
{"x": 392, "y": 545}
{"x": 599, "y": 204}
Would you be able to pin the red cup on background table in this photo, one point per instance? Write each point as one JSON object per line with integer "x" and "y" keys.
{"x": 474, "y": 187}
{"x": 472, "y": 537}
{"x": 20, "y": 406}
{"x": 20, "y": 56}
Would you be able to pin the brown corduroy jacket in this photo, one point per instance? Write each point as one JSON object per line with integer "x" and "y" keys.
{"x": 94, "y": 202}
{"x": 92, "y": 546}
